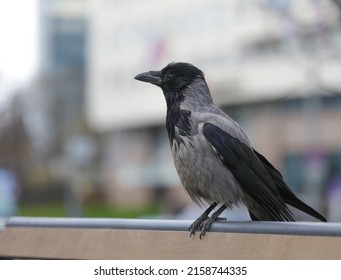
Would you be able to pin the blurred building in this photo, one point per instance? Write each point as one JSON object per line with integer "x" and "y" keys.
{"x": 64, "y": 46}
{"x": 63, "y": 62}
{"x": 52, "y": 106}
{"x": 273, "y": 65}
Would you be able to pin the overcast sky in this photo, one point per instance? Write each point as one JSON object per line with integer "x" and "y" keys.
{"x": 18, "y": 40}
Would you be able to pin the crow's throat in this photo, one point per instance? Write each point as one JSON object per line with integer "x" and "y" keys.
{"x": 180, "y": 119}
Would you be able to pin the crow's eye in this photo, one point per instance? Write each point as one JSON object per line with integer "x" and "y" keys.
{"x": 168, "y": 77}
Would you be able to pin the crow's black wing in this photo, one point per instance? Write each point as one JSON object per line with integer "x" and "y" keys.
{"x": 249, "y": 171}
{"x": 288, "y": 196}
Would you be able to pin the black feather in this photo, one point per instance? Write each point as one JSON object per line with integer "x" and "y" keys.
{"x": 180, "y": 119}
{"x": 177, "y": 76}
{"x": 250, "y": 173}
{"x": 285, "y": 192}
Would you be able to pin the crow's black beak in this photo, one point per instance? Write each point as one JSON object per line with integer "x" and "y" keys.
{"x": 152, "y": 77}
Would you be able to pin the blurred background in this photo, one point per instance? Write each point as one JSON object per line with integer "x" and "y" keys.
{"x": 79, "y": 137}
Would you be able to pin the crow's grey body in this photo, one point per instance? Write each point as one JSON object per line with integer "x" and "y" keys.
{"x": 214, "y": 157}
{"x": 194, "y": 157}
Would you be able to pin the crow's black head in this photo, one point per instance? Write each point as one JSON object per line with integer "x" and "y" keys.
{"x": 174, "y": 77}
{"x": 180, "y": 82}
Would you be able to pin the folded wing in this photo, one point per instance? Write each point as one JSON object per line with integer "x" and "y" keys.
{"x": 263, "y": 198}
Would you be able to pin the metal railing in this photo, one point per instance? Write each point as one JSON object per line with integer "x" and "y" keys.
{"x": 286, "y": 228}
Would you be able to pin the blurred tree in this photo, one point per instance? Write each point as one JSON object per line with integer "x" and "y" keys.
{"x": 14, "y": 141}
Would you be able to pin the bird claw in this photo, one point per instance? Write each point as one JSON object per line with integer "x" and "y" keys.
{"x": 204, "y": 222}
{"x": 206, "y": 225}
{"x": 197, "y": 224}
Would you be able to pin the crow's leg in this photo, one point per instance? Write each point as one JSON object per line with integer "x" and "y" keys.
{"x": 206, "y": 225}
{"x": 196, "y": 225}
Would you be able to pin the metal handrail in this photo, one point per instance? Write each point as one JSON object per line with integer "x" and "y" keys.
{"x": 286, "y": 228}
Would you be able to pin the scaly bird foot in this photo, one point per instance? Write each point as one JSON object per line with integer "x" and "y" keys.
{"x": 206, "y": 225}
{"x": 196, "y": 225}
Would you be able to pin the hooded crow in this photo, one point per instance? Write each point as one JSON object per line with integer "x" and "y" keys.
{"x": 214, "y": 157}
